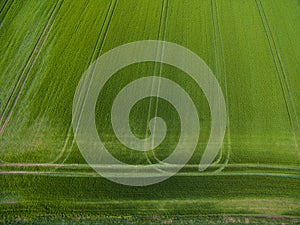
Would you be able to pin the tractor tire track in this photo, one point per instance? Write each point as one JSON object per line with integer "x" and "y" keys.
{"x": 217, "y": 60}
{"x": 31, "y": 169}
{"x": 3, "y": 6}
{"x": 25, "y": 66}
{"x": 157, "y": 66}
{"x": 180, "y": 174}
{"x": 19, "y": 86}
{"x": 281, "y": 74}
{"x": 6, "y": 7}
{"x": 188, "y": 166}
{"x": 65, "y": 152}
{"x": 220, "y": 68}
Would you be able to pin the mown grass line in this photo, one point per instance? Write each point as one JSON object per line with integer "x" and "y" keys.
{"x": 220, "y": 68}
{"x": 157, "y": 68}
{"x": 4, "y": 10}
{"x": 18, "y": 87}
{"x": 281, "y": 74}
{"x": 65, "y": 152}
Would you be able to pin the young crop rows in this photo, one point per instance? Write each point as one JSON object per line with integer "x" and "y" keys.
{"x": 253, "y": 49}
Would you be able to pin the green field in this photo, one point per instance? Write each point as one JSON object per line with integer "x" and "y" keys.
{"x": 252, "y": 47}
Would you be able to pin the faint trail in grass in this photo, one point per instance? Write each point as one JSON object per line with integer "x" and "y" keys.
{"x": 275, "y": 170}
{"x": 75, "y": 30}
{"x": 65, "y": 152}
{"x": 180, "y": 174}
{"x": 8, "y": 203}
{"x": 18, "y": 88}
{"x": 281, "y": 66}
{"x": 281, "y": 74}
{"x": 188, "y": 166}
{"x": 220, "y": 68}
{"x": 3, "y": 5}
{"x": 157, "y": 67}
{"x": 213, "y": 19}
{"x": 4, "y": 10}
{"x": 164, "y": 25}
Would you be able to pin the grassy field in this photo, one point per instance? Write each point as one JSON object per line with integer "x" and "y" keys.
{"x": 252, "y": 47}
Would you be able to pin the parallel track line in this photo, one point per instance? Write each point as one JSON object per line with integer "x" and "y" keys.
{"x": 3, "y": 14}
{"x": 96, "y": 52}
{"x": 220, "y": 67}
{"x": 159, "y": 53}
{"x": 18, "y": 88}
{"x": 281, "y": 75}
{"x": 180, "y": 174}
{"x": 187, "y": 166}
